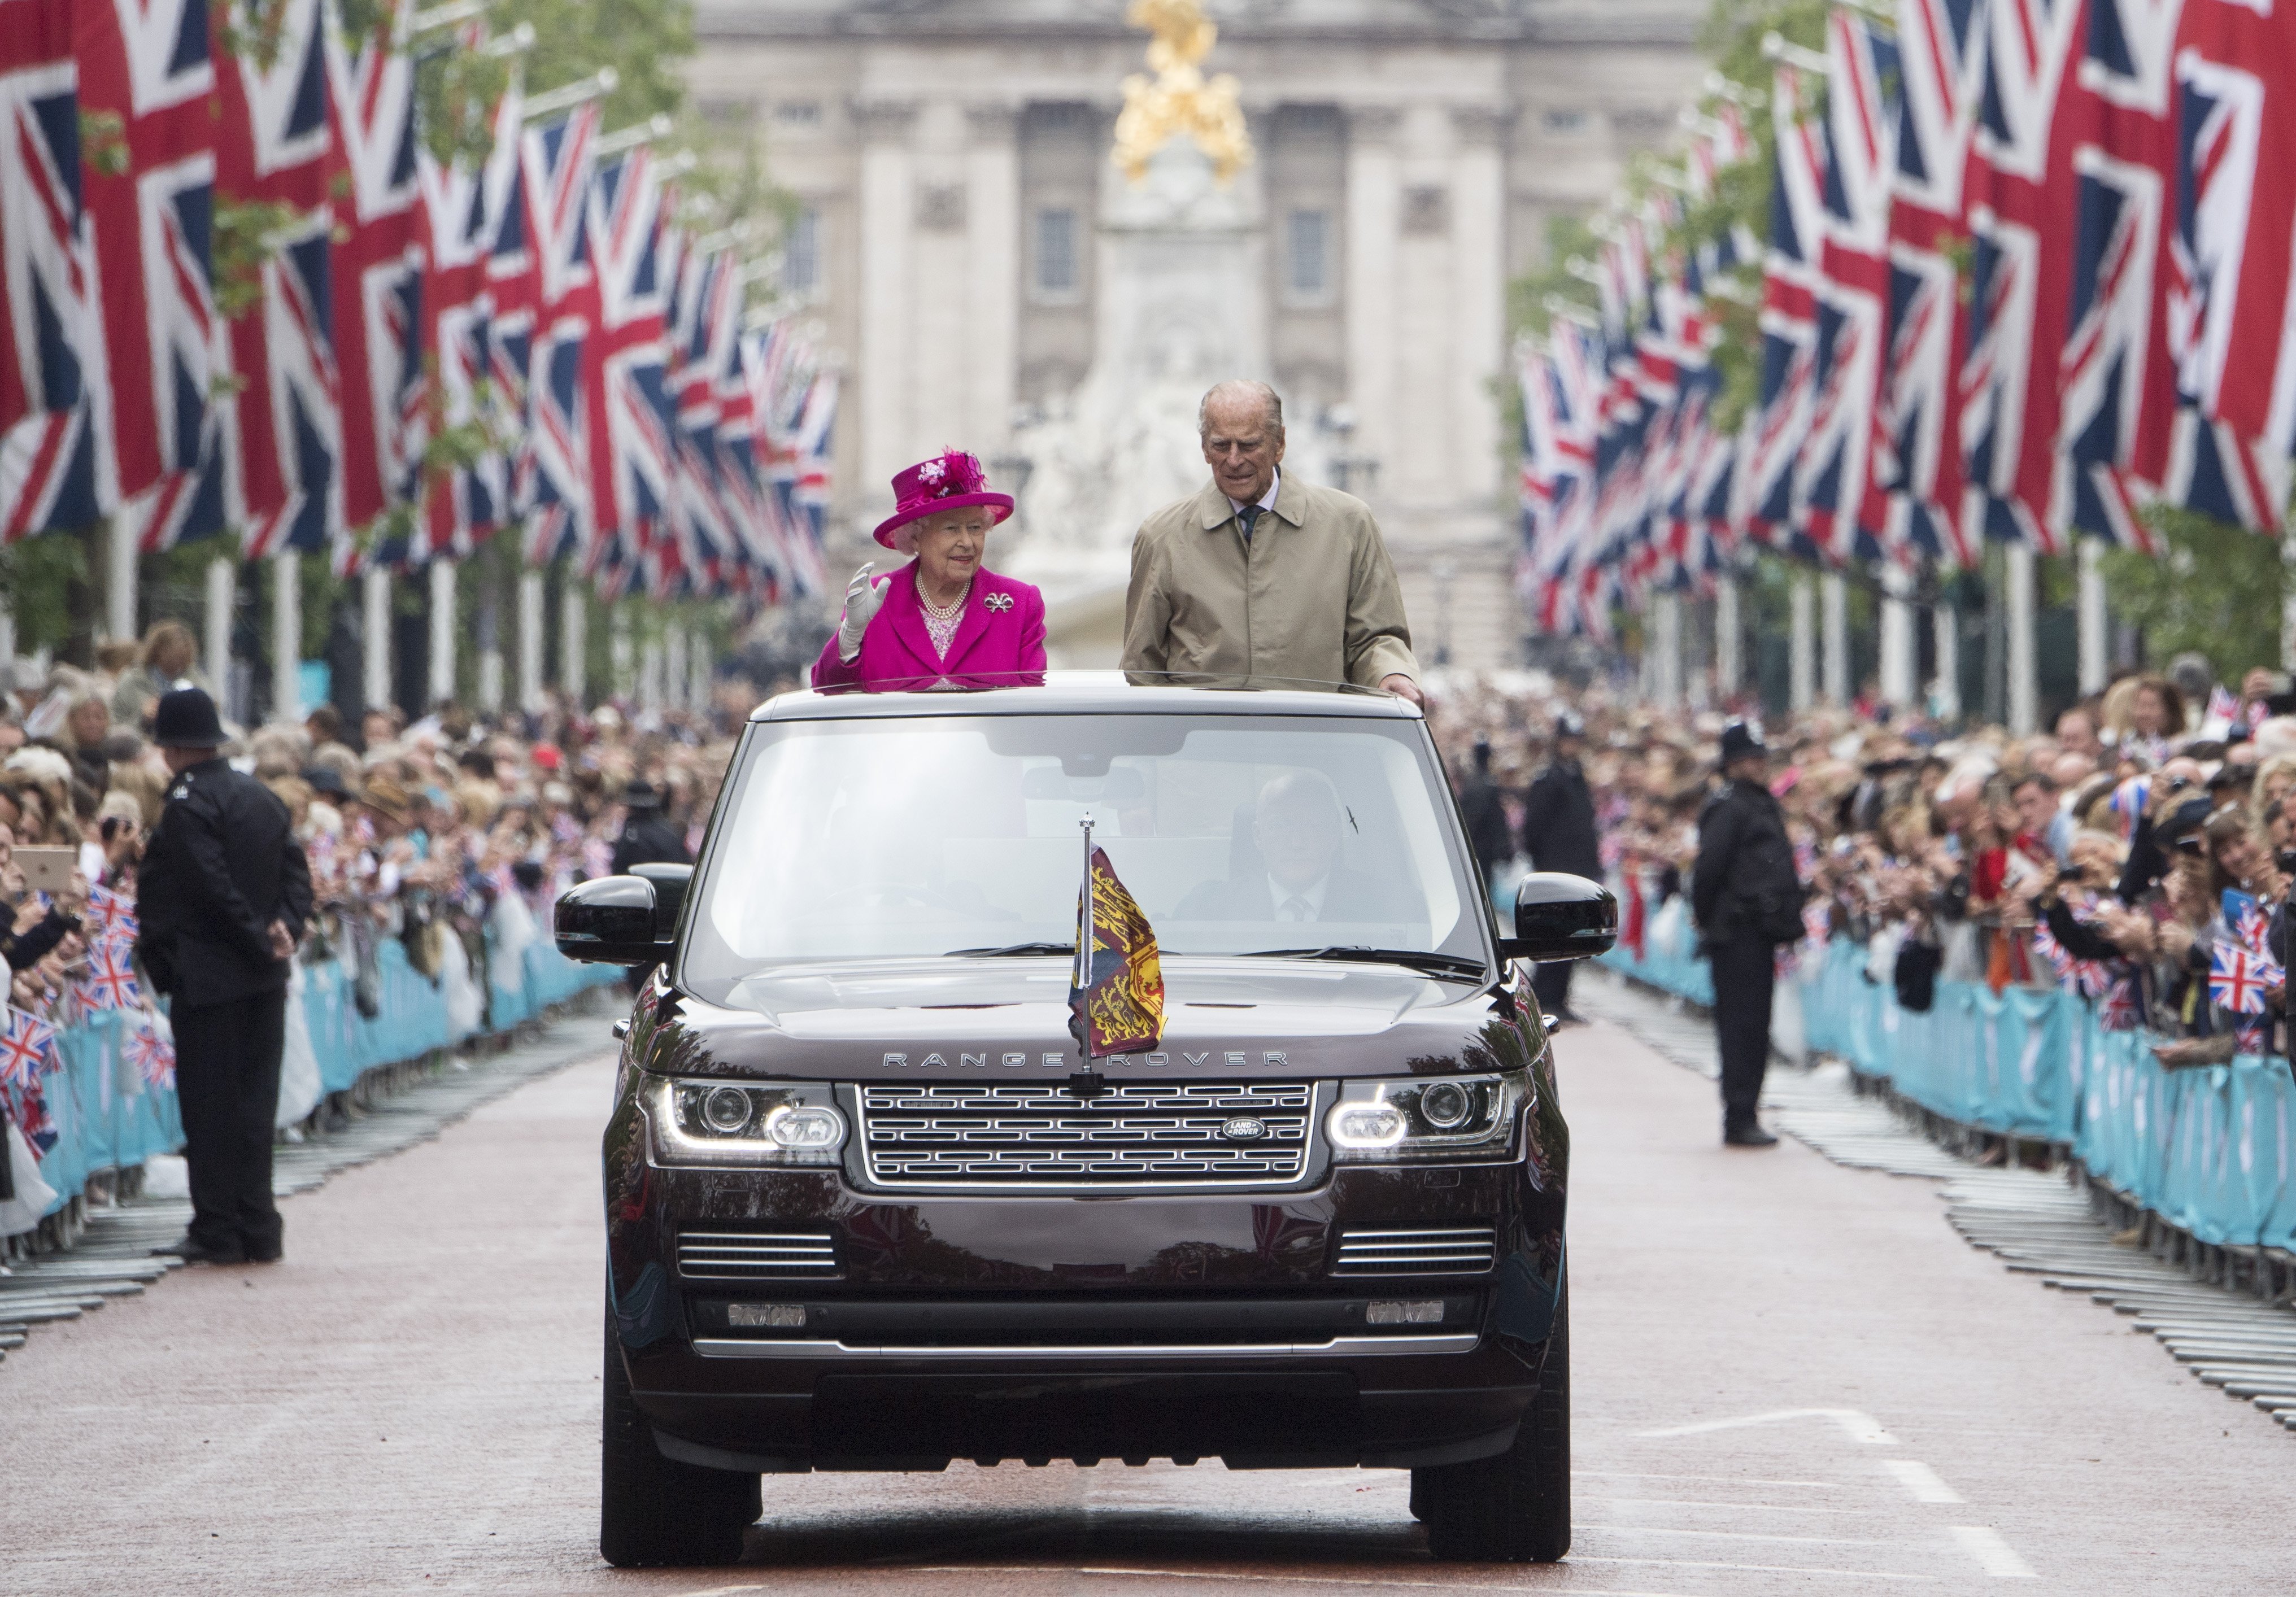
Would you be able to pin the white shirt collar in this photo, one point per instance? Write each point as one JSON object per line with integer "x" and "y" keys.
{"x": 1266, "y": 500}
{"x": 1313, "y": 893}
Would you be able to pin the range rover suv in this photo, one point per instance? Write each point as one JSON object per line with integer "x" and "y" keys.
{"x": 868, "y": 1207}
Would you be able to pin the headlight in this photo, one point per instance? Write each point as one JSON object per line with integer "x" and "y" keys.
{"x": 1448, "y": 1117}
{"x": 733, "y": 1123}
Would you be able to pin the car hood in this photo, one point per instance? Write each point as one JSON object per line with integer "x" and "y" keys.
{"x": 1008, "y": 1018}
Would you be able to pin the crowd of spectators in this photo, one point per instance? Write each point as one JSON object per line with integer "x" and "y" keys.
{"x": 2140, "y": 851}
{"x": 431, "y": 834}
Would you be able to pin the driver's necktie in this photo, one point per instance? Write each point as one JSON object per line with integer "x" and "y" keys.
{"x": 1296, "y": 908}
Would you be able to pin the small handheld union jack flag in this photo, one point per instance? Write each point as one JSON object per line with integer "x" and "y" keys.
{"x": 2248, "y": 922}
{"x": 110, "y": 914}
{"x": 2124, "y": 1006}
{"x": 153, "y": 1055}
{"x": 28, "y": 1048}
{"x": 2238, "y": 978}
{"x": 111, "y": 979}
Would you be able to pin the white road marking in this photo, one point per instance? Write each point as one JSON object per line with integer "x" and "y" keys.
{"x": 1761, "y": 1508}
{"x": 1920, "y": 1480}
{"x": 1693, "y": 1563}
{"x": 1861, "y": 1427}
{"x": 1994, "y": 1556}
{"x": 1736, "y": 1480}
{"x": 1317, "y": 1579}
{"x": 1732, "y": 1535}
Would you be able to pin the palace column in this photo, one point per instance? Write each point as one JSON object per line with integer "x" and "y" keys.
{"x": 886, "y": 290}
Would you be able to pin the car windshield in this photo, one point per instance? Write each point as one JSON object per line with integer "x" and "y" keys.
{"x": 888, "y": 838}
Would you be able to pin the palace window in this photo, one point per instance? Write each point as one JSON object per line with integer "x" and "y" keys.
{"x": 1307, "y": 254}
{"x": 801, "y": 253}
{"x": 1059, "y": 273}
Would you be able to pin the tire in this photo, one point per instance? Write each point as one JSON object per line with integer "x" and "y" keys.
{"x": 1514, "y": 1509}
{"x": 653, "y": 1511}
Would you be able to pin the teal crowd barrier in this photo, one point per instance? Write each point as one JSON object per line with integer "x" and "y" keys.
{"x": 107, "y": 1117}
{"x": 2211, "y": 1149}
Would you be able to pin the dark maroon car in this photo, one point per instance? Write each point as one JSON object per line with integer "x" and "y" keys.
{"x": 869, "y": 1208}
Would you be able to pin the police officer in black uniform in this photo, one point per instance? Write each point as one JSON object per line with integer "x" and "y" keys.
{"x": 1484, "y": 810}
{"x": 1748, "y": 899}
{"x": 221, "y": 901}
{"x": 1559, "y": 834}
{"x": 648, "y": 837}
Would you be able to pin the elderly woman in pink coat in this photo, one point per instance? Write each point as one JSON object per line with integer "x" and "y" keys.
{"x": 944, "y": 620}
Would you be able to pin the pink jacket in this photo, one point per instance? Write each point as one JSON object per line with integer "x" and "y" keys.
{"x": 999, "y": 642}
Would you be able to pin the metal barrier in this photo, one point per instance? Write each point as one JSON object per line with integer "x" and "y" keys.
{"x": 2210, "y": 1150}
{"x": 109, "y": 1120}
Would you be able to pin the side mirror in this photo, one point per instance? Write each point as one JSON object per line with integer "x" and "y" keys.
{"x": 611, "y": 922}
{"x": 669, "y": 885}
{"x": 1559, "y": 916}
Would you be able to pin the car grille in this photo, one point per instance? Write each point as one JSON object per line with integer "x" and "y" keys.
{"x": 755, "y": 1256}
{"x": 1012, "y": 1135}
{"x": 1450, "y": 1251}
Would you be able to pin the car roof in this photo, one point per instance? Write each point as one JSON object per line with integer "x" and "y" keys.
{"x": 1096, "y": 693}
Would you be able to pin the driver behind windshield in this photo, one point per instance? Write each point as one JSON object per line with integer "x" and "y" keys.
{"x": 1296, "y": 825}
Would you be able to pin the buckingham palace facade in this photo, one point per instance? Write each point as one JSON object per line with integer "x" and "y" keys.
{"x": 949, "y": 161}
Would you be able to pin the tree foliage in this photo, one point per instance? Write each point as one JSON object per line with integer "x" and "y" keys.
{"x": 2215, "y": 588}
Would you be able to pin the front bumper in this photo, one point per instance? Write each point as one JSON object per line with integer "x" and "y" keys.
{"x": 1085, "y": 1328}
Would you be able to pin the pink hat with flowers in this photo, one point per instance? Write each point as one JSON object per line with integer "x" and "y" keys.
{"x": 949, "y": 481}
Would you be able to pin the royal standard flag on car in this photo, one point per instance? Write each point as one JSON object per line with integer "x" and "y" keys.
{"x": 1116, "y": 989}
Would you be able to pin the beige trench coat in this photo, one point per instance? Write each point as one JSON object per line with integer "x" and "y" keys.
{"x": 1312, "y": 596}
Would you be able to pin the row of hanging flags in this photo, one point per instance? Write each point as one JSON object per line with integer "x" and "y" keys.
{"x": 544, "y": 302}
{"x": 2027, "y": 272}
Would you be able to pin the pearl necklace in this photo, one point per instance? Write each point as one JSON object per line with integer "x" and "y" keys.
{"x": 941, "y": 619}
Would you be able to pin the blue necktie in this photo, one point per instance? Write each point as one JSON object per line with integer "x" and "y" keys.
{"x": 1245, "y": 517}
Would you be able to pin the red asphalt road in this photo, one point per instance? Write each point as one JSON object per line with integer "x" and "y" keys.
{"x": 409, "y": 1404}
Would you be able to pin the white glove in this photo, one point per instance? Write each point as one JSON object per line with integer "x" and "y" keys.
{"x": 864, "y": 596}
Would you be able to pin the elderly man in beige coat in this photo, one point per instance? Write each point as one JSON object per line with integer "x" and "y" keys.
{"x": 1261, "y": 575}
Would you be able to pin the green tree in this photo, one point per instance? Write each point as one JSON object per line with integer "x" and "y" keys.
{"x": 2215, "y": 588}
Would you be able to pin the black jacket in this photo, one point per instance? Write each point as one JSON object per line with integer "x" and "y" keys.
{"x": 1485, "y": 814}
{"x": 1558, "y": 822}
{"x": 222, "y": 865}
{"x": 1744, "y": 888}
{"x": 30, "y": 947}
{"x": 648, "y": 838}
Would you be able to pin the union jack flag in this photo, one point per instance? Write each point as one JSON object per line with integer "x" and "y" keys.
{"x": 110, "y": 915}
{"x": 1940, "y": 57}
{"x": 151, "y": 200}
{"x": 48, "y": 444}
{"x": 1779, "y": 420}
{"x": 2225, "y": 287}
{"x": 28, "y": 1048}
{"x": 153, "y": 1055}
{"x": 460, "y": 223}
{"x": 2124, "y": 1005}
{"x": 283, "y": 428}
{"x": 378, "y": 272}
{"x": 111, "y": 979}
{"x": 632, "y": 463}
{"x": 554, "y": 484}
{"x": 2248, "y": 922}
{"x": 2238, "y": 978}
{"x": 704, "y": 320}
{"x": 2020, "y": 221}
{"x": 1829, "y": 502}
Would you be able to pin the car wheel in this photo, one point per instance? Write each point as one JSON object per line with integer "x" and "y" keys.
{"x": 653, "y": 1511}
{"x": 1514, "y": 1509}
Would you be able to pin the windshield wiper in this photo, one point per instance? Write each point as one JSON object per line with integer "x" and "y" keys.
{"x": 1015, "y": 951}
{"x": 1412, "y": 959}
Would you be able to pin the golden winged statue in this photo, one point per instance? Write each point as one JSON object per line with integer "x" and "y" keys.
{"x": 1180, "y": 101}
